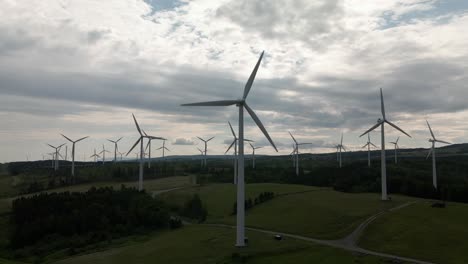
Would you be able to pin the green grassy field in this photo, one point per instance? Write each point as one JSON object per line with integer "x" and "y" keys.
{"x": 202, "y": 244}
{"x": 308, "y": 211}
{"x": 422, "y": 232}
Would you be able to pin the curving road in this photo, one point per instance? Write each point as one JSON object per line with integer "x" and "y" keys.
{"x": 347, "y": 243}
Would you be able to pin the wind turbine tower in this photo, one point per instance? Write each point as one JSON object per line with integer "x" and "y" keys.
{"x": 368, "y": 145}
{"x": 73, "y": 154}
{"x": 241, "y": 103}
{"x": 433, "y": 140}
{"x": 381, "y": 122}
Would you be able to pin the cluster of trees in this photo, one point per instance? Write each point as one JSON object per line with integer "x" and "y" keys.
{"x": 50, "y": 221}
{"x": 261, "y": 198}
{"x": 194, "y": 209}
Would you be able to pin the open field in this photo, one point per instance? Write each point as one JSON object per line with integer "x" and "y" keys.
{"x": 308, "y": 211}
{"x": 202, "y": 244}
{"x": 422, "y": 232}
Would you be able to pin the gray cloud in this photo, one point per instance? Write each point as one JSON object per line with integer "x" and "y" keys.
{"x": 183, "y": 141}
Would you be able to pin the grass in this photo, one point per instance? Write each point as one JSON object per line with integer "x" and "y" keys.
{"x": 422, "y": 232}
{"x": 203, "y": 244}
{"x": 319, "y": 213}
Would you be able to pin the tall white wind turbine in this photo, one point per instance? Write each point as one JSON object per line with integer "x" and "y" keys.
{"x": 116, "y": 148}
{"x": 253, "y": 154}
{"x": 206, "y": 147}
{"x": 395, "y": 144}
{"x": 142, "y": 154}
{"x": 296, "y": 148}
{"x": 56, "y": 156}
{"x": 241, "y": 103}
{"x": 73, "y": 154}
{"x": 381, "y": 123}
{"x": 433, "y": 140}
{"x": 368, "y": 145}
{"x": 339, "y": 148}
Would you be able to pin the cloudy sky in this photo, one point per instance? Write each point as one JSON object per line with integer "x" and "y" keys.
{"x": 81, "y": 68}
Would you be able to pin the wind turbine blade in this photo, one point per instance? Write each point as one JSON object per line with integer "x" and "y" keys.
{"x": 147, "y": 145}
{"x": 82, "y": 139}
{"x": 305, "y": 143}
{"x": 210, "y": 139}
{"x": 343, "y": 147}
{"x": 372, "y": 128}
{"x": 159, "y": 148}
{"x": 382, "y": 106}
{"x": 51, "y": 146}
{"x": 200, "y": 150}
{"x": 258, "y": 147}
{"x": 118, "y": 140}
{"x": 144, "y": 132}
{"x": 136, "y": 143}
{"x": 429, "y": 154}
{"x": 430, "y": 129}
{"x": 393, "y": 125}
{"x": 61, "y": 145}
{"x": 67, "y": 138}
{"x": 292, "y": 137}
{"x": 111, "y": 141}
{"x": 230, "y": 146}
{"x": 201, "y": 139}
{"x": 136, "y": 124}
{"x": 159, "y": 138}
{"x": 249, "y": 83}
{"x": 248, "y": 140}
{"x": 214, "y": 103}
{"x": 341, "y": 139}
{"x": 259, "y": 124}
{"x": 365, "y": 145}
{"x": 251, "y": 145}
{"x": 167, "y": 149}
{"x": 232, "y": 130}
{"x": 441, "y": 141}
{"x": 373, "y": 145}
{"x": 398, "y": 138}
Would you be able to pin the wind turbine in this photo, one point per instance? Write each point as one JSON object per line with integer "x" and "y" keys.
{"x": 57, "y": 149}
{"x": 121, "y": 154}
{"x": 293, "y": 155}
{"x": 396, "y": 148}
{"x": 234, "y": 143}
{"x": 381, "y": 122}
{"x": 241, "y": 103}
{"x": 253, "y": 154}
{"x": 163, "y": 148}
{"x": 103, "y": 152}
{"x": 339, "y": 148}
{"x": 95, "y": 156}
{"x": 206, "y": 145}
{"x": 368, "y": 145}
{"x": 116, "y": 148}
{"x": 433, "y": 140}
{"x": 140, "y": 140}
{"x": 202, "y": 153}
{"x": 73, "y": 153}
{"x": 297, "y": 151}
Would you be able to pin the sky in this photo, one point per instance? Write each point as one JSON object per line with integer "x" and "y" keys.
{"x": 82, "y": 68}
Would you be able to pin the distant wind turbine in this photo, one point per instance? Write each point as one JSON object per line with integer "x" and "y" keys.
{"x": 253, "y": 154}
{"x": 339, "y": 148}
{"x": 297, "y": 151}
{"x": 57, "y": 149}
{"x": 395, "y": 143}
{"x": 163, "y": 148}
{"x": 206, "y": 147}
{"x": 381, "y": 123}
{"x": 202, "y": 153}
{"x": 140, "y": 140}
{"x": 103, "y": 152}
{"x": 433, "y": 140}
{"x": 368, "y": 145}
{"x": 73, "y": 154}
{"x": 95, "y": 156}
{"x": 121, "y": 154}
{"x": 116, "y": 148}
{"x": 241, "y": 103}
{"x": 234, "y": 143}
